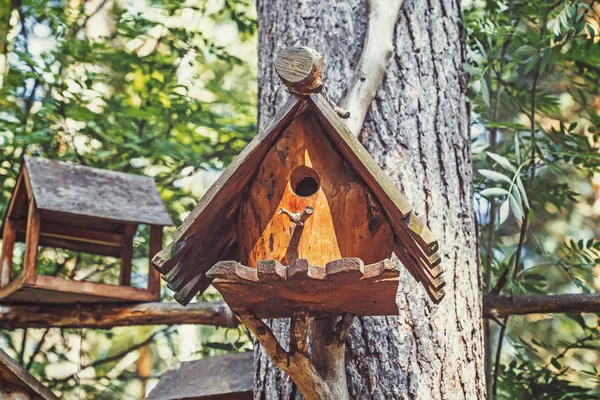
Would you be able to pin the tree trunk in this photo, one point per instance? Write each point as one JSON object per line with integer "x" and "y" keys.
{"x": 418, "y": 130}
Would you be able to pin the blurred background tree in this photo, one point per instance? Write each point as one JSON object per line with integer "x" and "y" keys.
{"x": 168, "y": 89}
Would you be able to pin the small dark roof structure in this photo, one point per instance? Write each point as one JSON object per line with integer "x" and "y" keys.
{"x": 77, "y": 190}
{"x": 206, "y": 235}
{"x": 222, "y": 377}
{"x": 14, "y": 374}
{"x": 82, "y": 209}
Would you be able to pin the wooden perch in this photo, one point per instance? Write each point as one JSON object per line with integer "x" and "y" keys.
{"x": 105, "y": 316}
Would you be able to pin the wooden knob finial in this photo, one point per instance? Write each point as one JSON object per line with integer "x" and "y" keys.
{"x": 300, "y": 68}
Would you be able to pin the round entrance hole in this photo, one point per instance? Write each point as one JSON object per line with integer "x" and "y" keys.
{"x": 304, "y": 181}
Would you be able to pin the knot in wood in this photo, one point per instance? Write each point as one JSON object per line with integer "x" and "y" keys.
{"x": 301, "y": 69}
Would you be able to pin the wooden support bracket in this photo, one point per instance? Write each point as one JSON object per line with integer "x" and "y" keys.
{"x": 321, "y": 377}
{"x": 343, "y": 286}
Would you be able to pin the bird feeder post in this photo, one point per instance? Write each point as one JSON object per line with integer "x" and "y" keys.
{"x": 32, "y": 240}
{"x": 156, "y": 239}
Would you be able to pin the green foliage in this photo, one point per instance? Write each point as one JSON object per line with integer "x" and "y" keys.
{"x": 534, "y": 90}
{"x": 161, "y": 88}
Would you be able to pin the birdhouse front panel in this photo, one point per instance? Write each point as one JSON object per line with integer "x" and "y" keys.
{"x": 307, "y": 203}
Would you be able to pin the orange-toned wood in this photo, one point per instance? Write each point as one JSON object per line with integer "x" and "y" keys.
{"x": 9, "y": 236}
{"x": 19, "y": 198}
{"x": 32, "y": 238}
{"x": 347, "y": 220}
{"x": 127, "y": 254}
{"x": 155, "y": 245}
{"x": 342, "y": 286}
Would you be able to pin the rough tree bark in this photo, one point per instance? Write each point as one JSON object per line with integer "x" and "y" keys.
{"x": 418, "y": 130}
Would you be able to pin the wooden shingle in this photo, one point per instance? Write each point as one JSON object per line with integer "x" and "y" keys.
{"x": 227, "y": 377}
{"x": 91, "y": 192}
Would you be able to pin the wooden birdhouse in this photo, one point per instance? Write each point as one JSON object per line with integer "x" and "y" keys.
{"x": 18, "y": 384}
{"x": 82, "y": 209}
{"x": 304, "y": 218}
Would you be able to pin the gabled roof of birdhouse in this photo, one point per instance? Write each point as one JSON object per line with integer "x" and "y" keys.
{"x": 91, "y": 192}
{"x": 208, "y": 378}
{"x": 208, "y": 234}
{"x": 15, "y": 374}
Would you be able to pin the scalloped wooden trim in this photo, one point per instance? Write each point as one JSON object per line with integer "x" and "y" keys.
{"x": 343, "y": 286}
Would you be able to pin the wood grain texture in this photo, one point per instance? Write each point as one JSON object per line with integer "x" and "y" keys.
{"x": 355, "y": 206}
{"x": 296, "y": 365}
{"x": 347, "y": 220}
{"x": 225, "y": 377}
{"x": 155, "y": 245}
{"x": 300, "y": 68}
{"x": 108, "y": 315}
{"x": 9, "y": 236}
{"x": 126, "y": 254}
{"x": 417, "y": 130}
{"x": 48, "y": 289}
{"x": 32, "y": 239}
{"x": 12, "y": 372}
{"x": 504, "y": 306}
{"x": 109, "y": 195}
{"x": 72, "y": 233}
{"x": 274, "y": 291}
{"x": 190, "y": 252}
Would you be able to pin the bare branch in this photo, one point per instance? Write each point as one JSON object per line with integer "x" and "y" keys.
{"x": 377, "y": 50}
{"x": 105, "y": 316}
{"x": 297, "y": 365}
{"x": 503, "y": 306}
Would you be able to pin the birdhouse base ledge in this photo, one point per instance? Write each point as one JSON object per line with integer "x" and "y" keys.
{"x": 344, "y": 286}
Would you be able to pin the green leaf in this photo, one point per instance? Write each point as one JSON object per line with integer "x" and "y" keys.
{"x": 523, "y": 193}
{"x": 471, "y": 70}
{"x": 502, "y": 161}
{"x": 515, "y": 207}
{"x": 503, "y": 214}
{"x": 490, "y": 192}
{"x": 485, "y": 92}
{"x": 555, "y": 363}
{"x": 525, "y": 50}
{"x": 494, "y": 176}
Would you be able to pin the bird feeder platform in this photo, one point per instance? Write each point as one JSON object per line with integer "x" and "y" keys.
{"x": 343, "y": 286}
{"x": 88, "y": 210}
